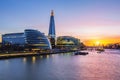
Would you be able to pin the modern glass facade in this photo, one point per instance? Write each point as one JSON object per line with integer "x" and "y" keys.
{"x": 67, "y": 41}
{"x": 13, "y": 38}
{"x": 32, "y": 38}
{"x": 36, "y": 39}
{"x": 52, "y": 33}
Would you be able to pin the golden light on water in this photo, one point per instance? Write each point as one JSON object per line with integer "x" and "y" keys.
{"x": 48, "y": 56}
{"x": 41, "y": 57}
{"x": 33, "y": 59}
{"x": 24, "y": 60}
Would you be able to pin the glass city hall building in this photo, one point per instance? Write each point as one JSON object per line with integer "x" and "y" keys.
{"x": 32, "y": 38}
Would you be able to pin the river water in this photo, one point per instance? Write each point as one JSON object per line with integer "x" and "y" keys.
{"x": 94, "y": 66}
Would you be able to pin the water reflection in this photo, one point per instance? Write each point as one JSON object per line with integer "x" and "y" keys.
{"x": 33, "y": 59}
{"x": 47, "y": 56}
{"x": 94, "y": 66}
{"x": 24, "y": 60}
{"x": 41, "y": 57}
{"x": 7, "y": 61}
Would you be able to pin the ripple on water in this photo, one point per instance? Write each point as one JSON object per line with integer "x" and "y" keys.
{"x": 94, "y": 66}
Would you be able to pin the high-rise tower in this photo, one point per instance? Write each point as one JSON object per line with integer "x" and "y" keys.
{"x": 51, "y": 33}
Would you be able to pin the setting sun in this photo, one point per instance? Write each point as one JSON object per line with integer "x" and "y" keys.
{"x": 102, "y": 41}
{"x": 97, "y": 43}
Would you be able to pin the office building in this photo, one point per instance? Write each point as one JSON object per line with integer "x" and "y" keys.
{"x": 52, "y": 34}
{"x": 13, "y": 38}
{"x": 34, "y": 39}
{"x": 68, "y": 42}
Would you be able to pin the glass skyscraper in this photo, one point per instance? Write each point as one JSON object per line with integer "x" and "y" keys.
{"x": 52, "y": 33}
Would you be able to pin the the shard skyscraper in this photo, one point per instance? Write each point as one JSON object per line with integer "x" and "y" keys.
{"x": 52, "y": 34}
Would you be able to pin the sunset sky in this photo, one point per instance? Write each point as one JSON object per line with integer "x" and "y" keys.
{"x": 89, "y": 20}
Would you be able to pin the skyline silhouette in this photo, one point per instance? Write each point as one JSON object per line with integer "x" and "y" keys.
{"x": 88, "y": 20}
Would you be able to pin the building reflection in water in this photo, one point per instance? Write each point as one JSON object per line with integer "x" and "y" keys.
{"x": 41, "y": 57}
{"x": 52, "y": 55}
{"x": 47, "y": 56}
{"x": 24, "y": 60}
{"x": 33, "y": 59}
{"x": 104, "y": 66}
{"x": 7, "y": 61}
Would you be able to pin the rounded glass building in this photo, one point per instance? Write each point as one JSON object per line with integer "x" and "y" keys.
{"x": 67, "y": 40}
{"x": 36, "y": 40}
{"x": 68, "y": 43}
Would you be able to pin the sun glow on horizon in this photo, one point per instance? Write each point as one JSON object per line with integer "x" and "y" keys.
{"x": 97, "y": 43}
{"x": 98, "y": 40}
{"x": 101, "y": 42}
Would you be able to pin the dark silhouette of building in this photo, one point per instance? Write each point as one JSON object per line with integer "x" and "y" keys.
{"x": 52, "y": 34}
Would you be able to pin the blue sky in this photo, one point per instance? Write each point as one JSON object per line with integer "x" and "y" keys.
{"x": 85, "y": 19}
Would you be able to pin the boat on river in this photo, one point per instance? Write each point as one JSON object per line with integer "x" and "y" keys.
{"x": 80, "y": 53}
{"x": 100, "y": 49}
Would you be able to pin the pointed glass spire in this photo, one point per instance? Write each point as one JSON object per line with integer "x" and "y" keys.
{"x": 52, "y": 26}
{"x": 51, "y": 33}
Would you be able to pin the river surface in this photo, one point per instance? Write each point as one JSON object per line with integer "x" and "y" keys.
{"x": 94, "y": 66}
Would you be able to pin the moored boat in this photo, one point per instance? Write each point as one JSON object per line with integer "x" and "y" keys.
{"x": 100, "y": 49}
{"x": 80, "y": 53}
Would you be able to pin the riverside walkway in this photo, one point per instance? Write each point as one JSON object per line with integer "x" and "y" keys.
{"x": 22, "y": 54}
{"x": 13, "y": 55}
